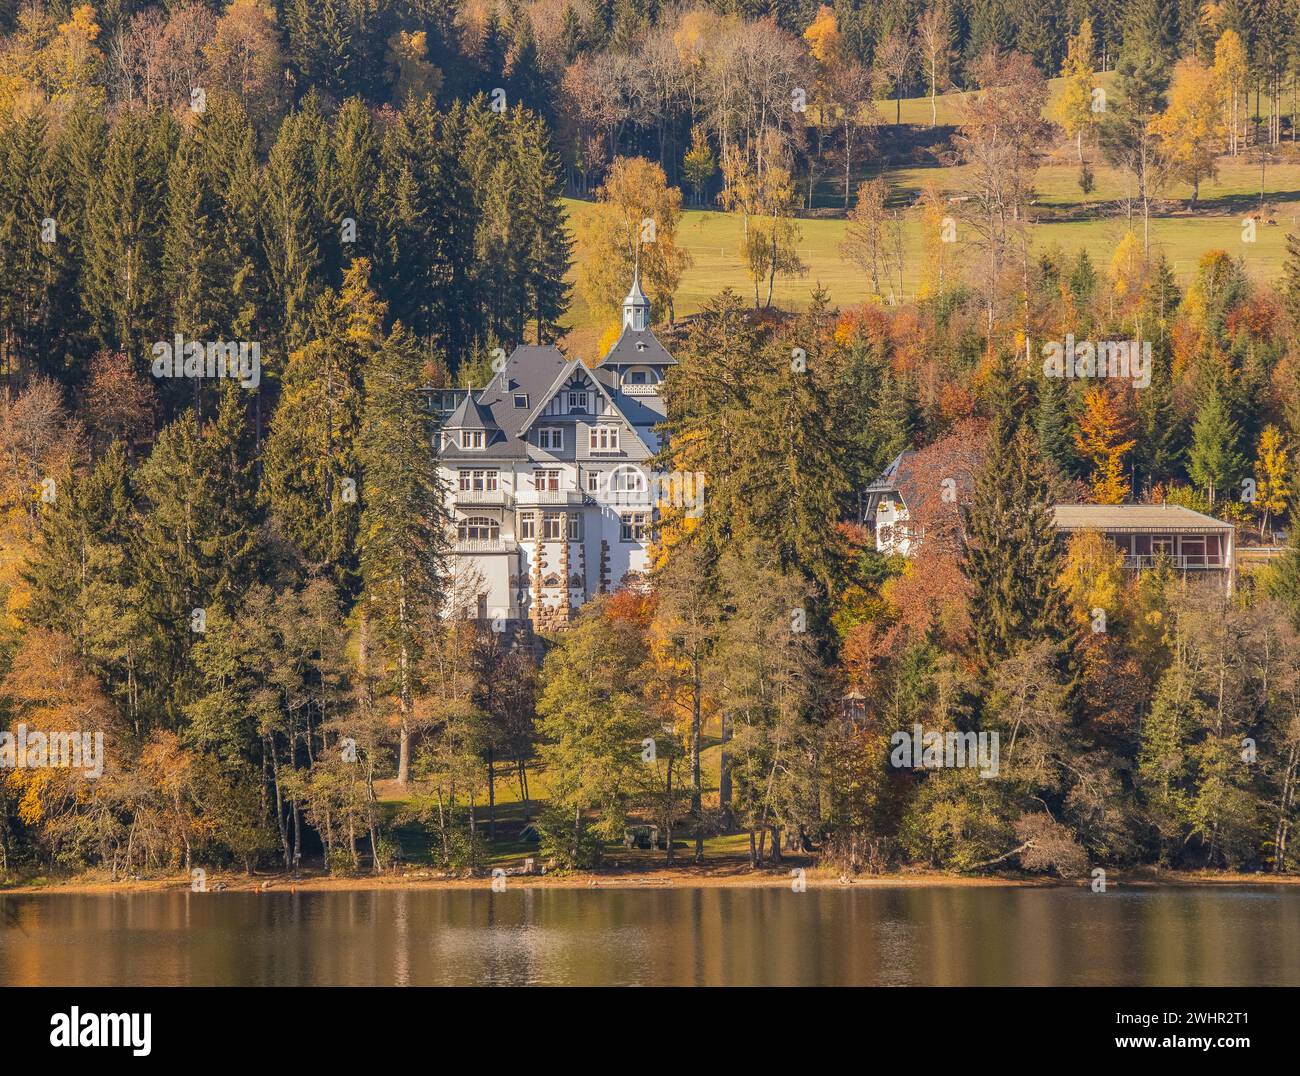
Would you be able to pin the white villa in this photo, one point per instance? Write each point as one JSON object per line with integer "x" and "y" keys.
{"x": 547, "y": 467}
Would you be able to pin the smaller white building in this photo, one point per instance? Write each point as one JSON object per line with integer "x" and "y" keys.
{"x": 547, "y": 469}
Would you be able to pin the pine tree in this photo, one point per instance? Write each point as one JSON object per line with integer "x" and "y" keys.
{"x": 81, "y": 575}
{"x": 1014, "y": 555}
{"x": 1054, "y": 426}
{"x": 404, "y": 525}
{"x": 196, "y": 267}
{"x": 427, "y": 269}
{"x": 1161, "y": 434}
{"x": 123, "y": 248}
{"x": 1290, "y": 287}
{"x": 312, "y": 470}
{"x": 570, "y": 34}
{"x": 548, "y": 254}
{"x": 294, "y": 229}
{"x": 197, "y": 549}
{"x": 1214, "y": 459}
{"x": 356, "y": 158}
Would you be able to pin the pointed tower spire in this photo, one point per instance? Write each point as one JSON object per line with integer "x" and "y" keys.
{"x": 636, "y": 307}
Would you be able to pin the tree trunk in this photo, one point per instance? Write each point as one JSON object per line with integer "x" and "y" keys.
{"x": 697, "y": 796}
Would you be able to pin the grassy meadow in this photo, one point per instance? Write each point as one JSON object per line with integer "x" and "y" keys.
{"x": 1064, "y": 218}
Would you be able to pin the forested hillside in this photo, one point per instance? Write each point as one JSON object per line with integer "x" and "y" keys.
{"x": 240, "y": 242}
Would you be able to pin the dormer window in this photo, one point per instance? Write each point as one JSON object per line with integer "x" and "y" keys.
{"x": 472, "y": 439}
{"x": 640, "y": 345}
{"x": 521, "y": 399}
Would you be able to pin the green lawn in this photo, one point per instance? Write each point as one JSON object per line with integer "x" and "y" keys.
{"x": 511, "y": 847}
{"x": 1066, "y": 219}
{"x": 917, "y": 109}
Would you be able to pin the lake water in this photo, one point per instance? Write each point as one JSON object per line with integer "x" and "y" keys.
{"x": 681, "y": 937}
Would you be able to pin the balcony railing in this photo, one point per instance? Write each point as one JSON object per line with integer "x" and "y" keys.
{"x": 1180, "y": 561}
{"x": 486, "y": 545}
{"x": 550, "y": 496}
{"x": 490, "y": 498}
{"x": 640, "y": 390}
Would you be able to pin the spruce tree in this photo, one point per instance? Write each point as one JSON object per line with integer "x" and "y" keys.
{"x": 293, "y": 229}
{"x": 1014, "y": 551}
{"x": 548, "y": 255}
{"x": 123, "y": 248}
{"x": 312, "y": 471}
{"x": 1214, "y": 458}
{"x": 404, "y": 524}
{"x": 1054, "y": 426}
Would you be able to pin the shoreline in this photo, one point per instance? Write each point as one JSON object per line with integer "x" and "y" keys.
{"x": 708, "y": 877}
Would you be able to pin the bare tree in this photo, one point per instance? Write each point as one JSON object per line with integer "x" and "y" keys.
{"x": 1001, "y": 135}
{"x": 850, "y": 85}
{"x": 934, "y": 35}
{"x": 893, "y": 61}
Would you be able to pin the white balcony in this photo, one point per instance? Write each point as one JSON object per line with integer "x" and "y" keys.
{"x": 565, "y": 497}
{"x": 481, "y": 498}
{"x": 472, "y": 546}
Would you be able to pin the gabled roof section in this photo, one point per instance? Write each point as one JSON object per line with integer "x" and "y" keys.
{"x": 557, "y": 385}
{"x": 471, "y": 415}
{"x": 530, "y": 371}
{"x": 637, "y": 347}
{"x": 889, "y": 480}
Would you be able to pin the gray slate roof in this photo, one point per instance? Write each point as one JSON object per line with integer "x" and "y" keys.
{"x": 637, "y": 347}
{"x": 536, "y": 372}
{"x": 471, "y": 415}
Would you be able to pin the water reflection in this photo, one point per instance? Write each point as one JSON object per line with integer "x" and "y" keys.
{"x": 683, "y": 937}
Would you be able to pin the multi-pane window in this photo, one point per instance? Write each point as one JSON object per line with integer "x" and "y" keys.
{"x": 478, "y": 529}
{"x": 577, "y": 401}
{"x": 603, "y": 438}
{"x": 633, "y": 527}
{"x": 575, "y": 528}
{"x": 627, "y": 479}
{"x": 551, "y": 527}
{"x": 478, "y": 481}
{"x": 471, "y": 438}
{"x": 551, "y": 438}
{"x": 527, "y": 525}
{"x": 547, "y": 481}
{"x": 593, "y": 481}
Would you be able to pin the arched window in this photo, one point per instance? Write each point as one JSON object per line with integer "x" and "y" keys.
{"x": 478, "y": 529}
{"x": 627, "y": 479}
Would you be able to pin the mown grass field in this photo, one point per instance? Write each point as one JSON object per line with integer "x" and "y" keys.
{"x": 1065, "y": 218}
{"x": 1096, "y": 223}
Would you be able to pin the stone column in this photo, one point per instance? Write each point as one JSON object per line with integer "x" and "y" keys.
{"x": 535, "y": 580}
{"x": 562, "y": 612}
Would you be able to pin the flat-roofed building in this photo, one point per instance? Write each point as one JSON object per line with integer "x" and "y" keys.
{"x": 1193, "y": 541}
{"x": 901, "y": 511}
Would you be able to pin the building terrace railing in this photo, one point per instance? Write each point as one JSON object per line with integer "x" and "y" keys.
{"x": 497, "y": 498}
{"x": 1184, "y": 560}
{"x": 550, "y": 496}
{"x": 486, "y": 545}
